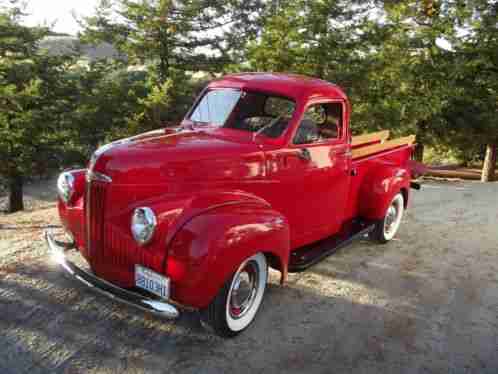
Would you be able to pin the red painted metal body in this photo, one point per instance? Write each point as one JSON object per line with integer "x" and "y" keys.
{"x": 221, "y": 195}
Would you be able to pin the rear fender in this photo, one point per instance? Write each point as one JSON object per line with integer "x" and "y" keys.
{"x": 379, "y": 188}
{"x": 210, "y": 247}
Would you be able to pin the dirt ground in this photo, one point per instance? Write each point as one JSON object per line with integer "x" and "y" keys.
{"x": 424, "y": 303}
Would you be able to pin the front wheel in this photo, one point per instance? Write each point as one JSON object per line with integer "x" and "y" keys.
{"x": 387, "y": 228}
{"x": 238, "y": 301}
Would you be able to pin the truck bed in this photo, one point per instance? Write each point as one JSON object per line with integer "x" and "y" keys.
{"x": 374, "y": 143}
{"x": 373, "y": 151}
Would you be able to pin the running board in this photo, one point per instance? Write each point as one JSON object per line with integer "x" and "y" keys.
{"x": 304, "y": 257}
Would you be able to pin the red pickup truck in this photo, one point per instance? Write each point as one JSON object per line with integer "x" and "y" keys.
{"x": 262, "y": 172}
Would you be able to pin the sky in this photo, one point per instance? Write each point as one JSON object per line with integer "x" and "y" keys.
{"x": 60, "y": 12}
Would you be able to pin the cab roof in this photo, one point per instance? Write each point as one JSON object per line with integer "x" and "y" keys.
{"x": 290, "y": 85}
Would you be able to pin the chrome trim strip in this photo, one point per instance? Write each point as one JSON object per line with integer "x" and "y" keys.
{"x": 155, "y": 306}
{"x": 95, "y": 176}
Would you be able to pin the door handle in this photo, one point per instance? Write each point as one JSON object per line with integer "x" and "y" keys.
{"x": 304, "y": 154}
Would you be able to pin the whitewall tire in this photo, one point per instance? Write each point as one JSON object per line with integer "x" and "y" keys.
{"x": 386, "y": 229}
{"x": 238, "y": 301}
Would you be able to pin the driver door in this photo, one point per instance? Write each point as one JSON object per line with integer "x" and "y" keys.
{"x": 312, "y": 174}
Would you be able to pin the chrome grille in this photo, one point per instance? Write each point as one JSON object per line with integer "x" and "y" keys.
{"x": 108, "y": 243}
{"x": 95, "y": 215}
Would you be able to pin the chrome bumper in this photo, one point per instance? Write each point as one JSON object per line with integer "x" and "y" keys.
{"x": 154, "y": 306}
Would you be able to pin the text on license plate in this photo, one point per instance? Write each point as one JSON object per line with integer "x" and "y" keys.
{"x": 151, "y": 281}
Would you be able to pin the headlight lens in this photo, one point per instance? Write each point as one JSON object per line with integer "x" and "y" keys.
{"x": 65, "y": 186}
{"x": 143, "y": 224}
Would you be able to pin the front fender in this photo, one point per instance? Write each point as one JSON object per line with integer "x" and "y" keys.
{"x": 208, "y": 249}
{"x": 172, "y": 212}
{"x": 379, "y": 188}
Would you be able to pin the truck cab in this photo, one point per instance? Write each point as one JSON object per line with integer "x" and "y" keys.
{"x": 262, "y": 172}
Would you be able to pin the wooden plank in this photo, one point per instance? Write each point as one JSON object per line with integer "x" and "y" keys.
{"x": 376, "y": 148}
{"x": 369, "y": 138}
{"x": 453, "y": 174}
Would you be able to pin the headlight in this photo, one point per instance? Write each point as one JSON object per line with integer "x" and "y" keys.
{"x": 143, "y": 224}
{"x": 65, "y": 186}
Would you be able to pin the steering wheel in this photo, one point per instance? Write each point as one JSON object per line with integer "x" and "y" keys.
{"x": 269, "y": 125}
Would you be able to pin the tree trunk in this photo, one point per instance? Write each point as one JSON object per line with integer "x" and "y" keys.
{"x": 15, "y": 194}
{"x": 418, "y": 153}
{"x": 421, "y": 133}
{"x": 488, "y": 169}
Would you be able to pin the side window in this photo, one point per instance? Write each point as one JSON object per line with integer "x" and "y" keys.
{"x": 320, "y": 122}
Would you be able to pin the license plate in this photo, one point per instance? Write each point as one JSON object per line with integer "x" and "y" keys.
{"x": 151, "y": 281}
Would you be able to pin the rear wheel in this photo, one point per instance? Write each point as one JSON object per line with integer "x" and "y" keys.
{"x": 238, "y": 301}
{"x": 386, "y": 229}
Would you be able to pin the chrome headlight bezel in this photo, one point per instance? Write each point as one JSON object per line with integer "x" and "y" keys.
{"x": 143, "y": 225}
{"x": 65, "y": 186}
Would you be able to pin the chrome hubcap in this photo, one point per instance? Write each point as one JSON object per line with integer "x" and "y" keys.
{"x": 390, "y": 218}
{"x": 244, "y": 289}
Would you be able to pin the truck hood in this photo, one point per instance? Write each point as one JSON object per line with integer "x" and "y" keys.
{"x": 163, "y": 157}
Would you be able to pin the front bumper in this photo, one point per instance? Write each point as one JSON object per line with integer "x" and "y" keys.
{"x": 155, "y": 306}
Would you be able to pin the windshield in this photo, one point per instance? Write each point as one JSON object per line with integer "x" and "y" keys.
{"x": 215, "y": 106}
{"x": 251, "y": 111}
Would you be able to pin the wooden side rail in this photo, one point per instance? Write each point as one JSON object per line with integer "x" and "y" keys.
{"x": 376, "y": 148}
{"x": 380, "y": 136}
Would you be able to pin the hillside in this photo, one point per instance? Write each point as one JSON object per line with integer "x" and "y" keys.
{"x": 66, "y": 44}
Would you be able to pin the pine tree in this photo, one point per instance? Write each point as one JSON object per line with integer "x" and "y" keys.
{"x": 175, "y": 36}
{"x": 32, "y": 101}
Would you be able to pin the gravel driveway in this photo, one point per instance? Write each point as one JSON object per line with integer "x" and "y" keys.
{"x": 427, "y": 302}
